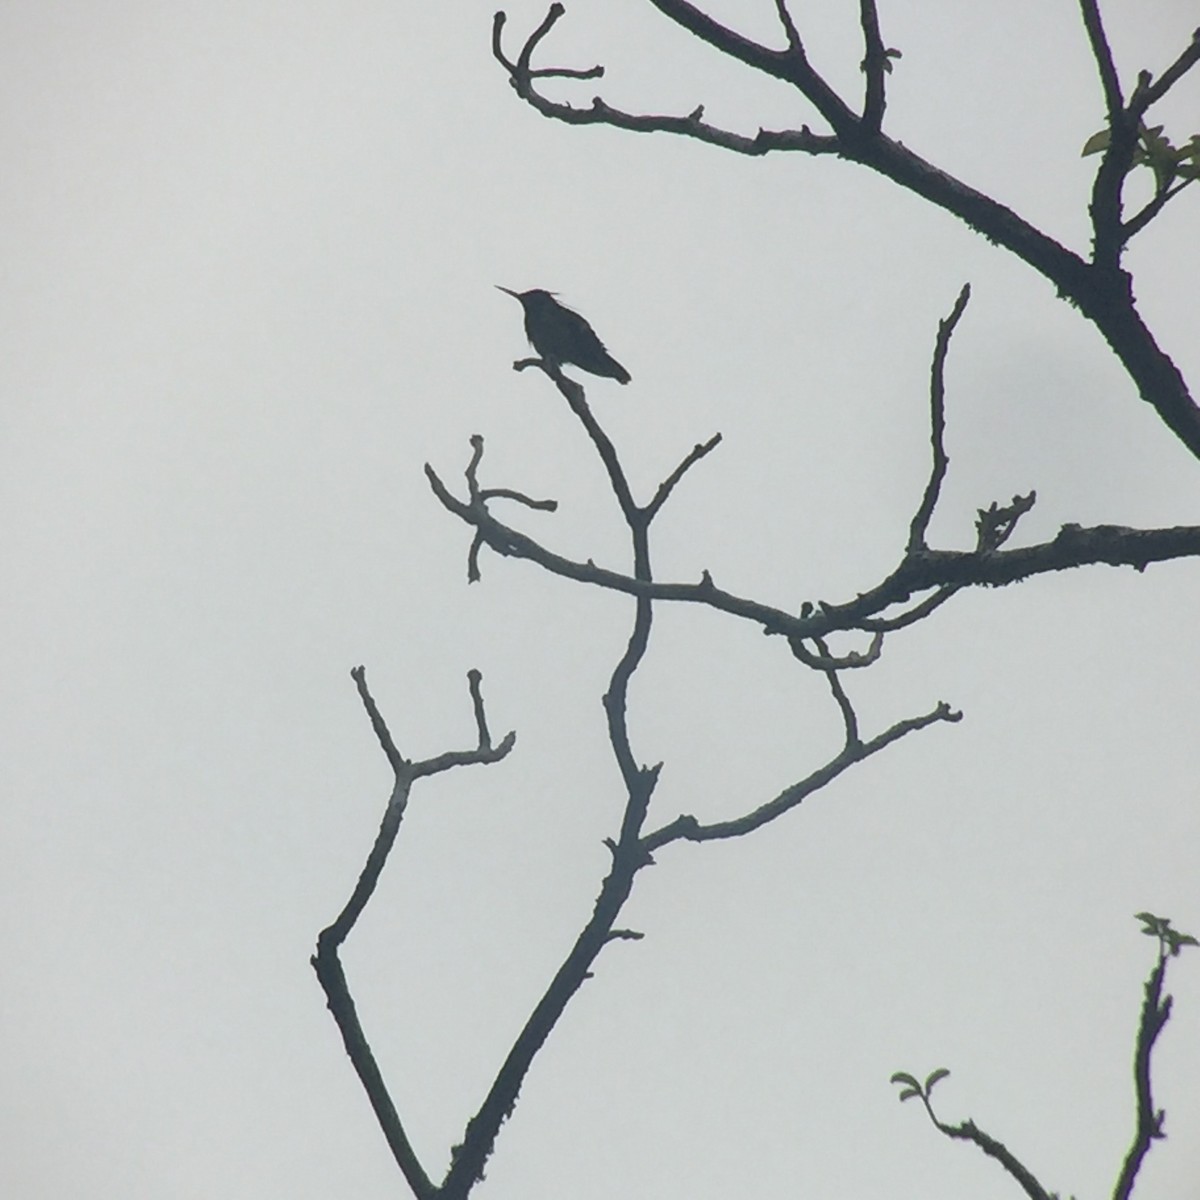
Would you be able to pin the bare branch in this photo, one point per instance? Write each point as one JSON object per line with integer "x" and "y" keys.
{"x": 849, "y": 717}
{"x": 688, "y": 828}
{"x": 477, "y": 544}
{"x": 625, "y": 935}
{"x": 1075, "y": 546}
{"x": 519, "y": 497}
{"x": 875, "y": 65}
{"x": 1143, "y": 217}
{"x": 1102, "y": 53}
{"x": 917, "y": 613}
{"x": 406, "y": 773}
{"x": 826, "y": 662}
{"x": 789, "y": 26}
{"x": 790, "y": 65}
{"x": 937, "y": 423}
{"x": 1102, "y": 292}
{"x": 1156, "y": 1012}
{"x": 968, "y": 1131}
{"x": 326, "y": 962}
{"x": 1148, "y": 93}
{"x": 667, "y": 486}
{"x": 693, "y": 126}
{"x": 556, "y": 11}
{"x": 472, "y": 471}
{"x": 333, "y": 981}
{"x": 395, "y": 759}
{"x": 995, "y": 524}
{"x": 468, "y": 1158}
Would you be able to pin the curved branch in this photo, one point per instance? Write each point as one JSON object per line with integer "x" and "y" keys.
{"x": 688, "y": 828}
{"x": 326, "y": 962}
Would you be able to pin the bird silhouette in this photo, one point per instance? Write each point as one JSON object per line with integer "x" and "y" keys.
{"x": 562, "y": 336}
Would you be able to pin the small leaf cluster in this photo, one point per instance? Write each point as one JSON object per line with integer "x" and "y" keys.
{"x": 1171, "y": 940}
{"x": 913, "y": 1087}
{"x": 1155, "y": 150}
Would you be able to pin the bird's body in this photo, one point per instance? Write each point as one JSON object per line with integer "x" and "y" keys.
{"x": 562, "y": 336}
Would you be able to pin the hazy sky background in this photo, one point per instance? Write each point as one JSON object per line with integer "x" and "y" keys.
{"x": 249, "y": 261}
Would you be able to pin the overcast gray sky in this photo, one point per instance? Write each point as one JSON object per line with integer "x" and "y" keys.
{"x": 249, "y": 261}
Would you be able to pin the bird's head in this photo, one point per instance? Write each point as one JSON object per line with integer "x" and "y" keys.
{"x": 533, "y": 296}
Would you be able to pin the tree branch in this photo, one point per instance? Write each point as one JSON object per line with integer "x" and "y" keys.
{"x": 875, "y": 65}
{"x": 326, "y": 962}
{"x": 1153, "y": 207}
{"x": 968, "y": 1131}
{"x": 1152, "y": 93}
{"x": 468, "y": 1158}
{"x": 849, "y": 716}
{"x": 1100, "y": 289}
{"x": 1075, "y": 546}
{"x": 1156, "y": 1012}
{"x": 789, "y": 26}
{"x": 937, "y": 423}
{"x": 667, "y": 486}
{"x": 688, "y": 828}
{"x": 1102, "y": 53}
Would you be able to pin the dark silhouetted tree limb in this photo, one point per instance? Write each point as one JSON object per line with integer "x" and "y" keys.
{"x": 933, "y": 576}
{"x": 1098, "y": 286}
{"x": 1156, "y": 1011}
{"x": 327, "y": 963}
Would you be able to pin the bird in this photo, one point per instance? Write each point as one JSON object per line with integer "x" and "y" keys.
{"x": 561, "y": 335}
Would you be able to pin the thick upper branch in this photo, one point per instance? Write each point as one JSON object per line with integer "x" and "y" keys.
{"x": 1075, "y": 546}
{"x": 1102, "y": 291}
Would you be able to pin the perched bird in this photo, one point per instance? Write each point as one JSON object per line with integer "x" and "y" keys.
{"x": 562, "y": 336}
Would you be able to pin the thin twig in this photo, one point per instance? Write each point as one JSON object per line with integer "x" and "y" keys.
{"x": 501, "y": 493}
{"x": 1102, "y": 53}
{"x": 968, "y": 1131}
{"x": 849, "y": 717}
{"x": 688, "y": 828}
{"x": 667, "y": 486}
{"x": 1156, "y": 1011}
{"x": 1154, "y": 92}
{"x": 789, "y": 27}
{"x": 875, "y": 65}
{"x": 395, "y": 759}
{"x": 824, "y": 661}
{"x": 917, "y": 613}
{"x": 937, "y": 423}
{"x": 1141, "y": 219}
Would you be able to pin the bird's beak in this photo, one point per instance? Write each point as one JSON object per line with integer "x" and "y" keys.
{"x": 508, "y": 290}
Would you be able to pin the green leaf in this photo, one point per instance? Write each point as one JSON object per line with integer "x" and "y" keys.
{"x": 1154, "y": 926}
{"x": 905, "y": 1078}
{"x": 1177, "y": 940}
{"x": 934, "y": 1078}
{"x": 1096, "y": 143}
{"x": 908, "y": 1094}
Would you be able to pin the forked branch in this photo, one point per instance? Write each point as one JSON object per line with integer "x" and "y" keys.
{"x": 326, "y": 962}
